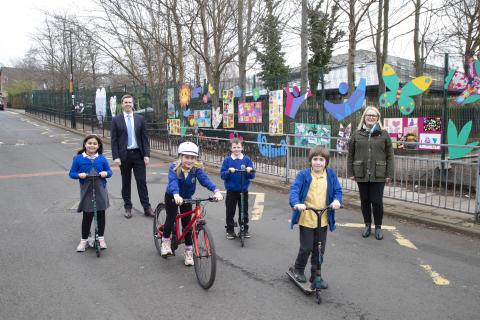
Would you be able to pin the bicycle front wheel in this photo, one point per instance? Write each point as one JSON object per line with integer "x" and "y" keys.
{"x": 205, "y": 261}
{"x": 158, "y": 222}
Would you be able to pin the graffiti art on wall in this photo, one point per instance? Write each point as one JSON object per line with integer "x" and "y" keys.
{"x": 203, "y": 118}
{"x": 268, "y": 150}
{"x": 403, "y": 95}
{"x": 294, "y": 101}
{"x": 342, "y": 110}
{"x": 275, "y": 111}
{"x": 310, "y": 135}
{"x": 459, "y": 138}
{"x": 184, "y": 95}
{"x": 250, "y": 112}
{"x": 228, "y": 109}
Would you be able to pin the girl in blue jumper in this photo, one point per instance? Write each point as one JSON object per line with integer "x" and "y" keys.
{"x": 90, "y": 160}
{"x": 232, "y": 184}
{"x": 182, "y": 178}
{"x": 314, "y": 187}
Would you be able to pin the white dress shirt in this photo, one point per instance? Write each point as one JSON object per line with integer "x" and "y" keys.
{"x": 134, "y": 140}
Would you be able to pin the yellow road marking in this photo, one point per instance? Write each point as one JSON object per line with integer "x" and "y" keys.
{"x": 257, "y": 210}
{"x": 436, "y": 277}
{"x": 258, "y": 206}
{"x": 402, "y": 240}
{"x": 362, "y": 225}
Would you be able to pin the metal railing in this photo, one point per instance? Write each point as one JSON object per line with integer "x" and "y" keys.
{"x": 420, "y": 176}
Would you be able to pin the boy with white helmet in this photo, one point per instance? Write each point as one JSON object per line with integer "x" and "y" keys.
{"x": 182, "y": 177}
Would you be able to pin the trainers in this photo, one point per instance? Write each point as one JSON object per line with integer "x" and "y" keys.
{"x": 246, "y": 234}
{"x": 231, "y": 235}
{"x": 103, "y": 244}
{"x": 299, "y": 275}
{"x": 82, "y": 245}
{"x": 188, "y": 257}
{"x": 166, "y": 249}
{"x": 323, "y": 285}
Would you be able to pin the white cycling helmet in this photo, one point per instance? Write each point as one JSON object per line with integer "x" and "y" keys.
{"x": 189, "y": 148}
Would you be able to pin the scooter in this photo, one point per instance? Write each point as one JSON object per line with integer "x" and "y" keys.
{"x": 242, "y": 172}
{"x": 305, "y": 287}
{"x": 96, "y": 243}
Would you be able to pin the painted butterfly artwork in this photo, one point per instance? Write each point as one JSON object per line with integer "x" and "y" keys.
{"x": 468, "y": 83}
{"x": 402, "y": 95}
{"x": 354, "y": 103}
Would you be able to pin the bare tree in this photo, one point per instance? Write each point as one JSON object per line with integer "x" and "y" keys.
{"x": 355, "y": 11}
{"x": 304, "y": 47}
{"x": 462, "y": 23}
{"x": 213, "y": 37}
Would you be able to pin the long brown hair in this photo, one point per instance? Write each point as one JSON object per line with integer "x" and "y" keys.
{"x": 88, "y": 137}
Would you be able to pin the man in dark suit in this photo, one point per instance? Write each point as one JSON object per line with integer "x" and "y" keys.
{"x": 131, "y": 150}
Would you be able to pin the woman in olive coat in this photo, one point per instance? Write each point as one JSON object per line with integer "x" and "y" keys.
{"x": 370, "y": 163}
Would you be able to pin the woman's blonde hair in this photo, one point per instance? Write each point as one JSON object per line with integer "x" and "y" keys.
{"x": 178, "y": 166}
{"x": 362, "y": 119}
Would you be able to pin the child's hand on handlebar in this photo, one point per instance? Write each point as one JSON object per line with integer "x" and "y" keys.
{"x": 231, "y": 170}
{"x": 178, "y": 199}
{"x": 218, "y": 196}
{"x": 103, "y": 174}
{"x": 82, "y": 175}
{"x": 249, "y": 169}
{"x": 335, "y": 204}
{"x": 300, "y": 207}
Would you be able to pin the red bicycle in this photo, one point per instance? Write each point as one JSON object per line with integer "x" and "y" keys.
{"x": 203, "y": 247}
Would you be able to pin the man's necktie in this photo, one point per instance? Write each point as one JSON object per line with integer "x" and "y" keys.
{"x": 130, "y": 130}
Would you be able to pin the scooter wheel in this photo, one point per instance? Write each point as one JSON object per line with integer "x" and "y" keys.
{"x": 319, "y": 298}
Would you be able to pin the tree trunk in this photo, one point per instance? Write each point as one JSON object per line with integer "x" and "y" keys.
{"x": 378, "y": 50}
{"x": 304, "y": 48}
{"x": 352, "y": 45}
{"x": 242, "y": 54}
{"x": 417, "y": 47}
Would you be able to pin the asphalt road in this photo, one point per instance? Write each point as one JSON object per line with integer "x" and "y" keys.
{"x": 416, "y": 272}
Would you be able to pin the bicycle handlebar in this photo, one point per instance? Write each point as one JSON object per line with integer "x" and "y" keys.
{"x": 244, "y": 170}
{"x": 198, "y": 200}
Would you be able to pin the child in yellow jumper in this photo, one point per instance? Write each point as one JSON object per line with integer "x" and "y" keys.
{"x": 315, "y": 187}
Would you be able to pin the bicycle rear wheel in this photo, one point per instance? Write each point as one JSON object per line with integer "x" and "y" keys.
{"x": 158, "y": 222}
{"x": 205, "y": 261}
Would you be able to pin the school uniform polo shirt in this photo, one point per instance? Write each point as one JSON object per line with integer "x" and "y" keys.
{"x": 316, "y": 198}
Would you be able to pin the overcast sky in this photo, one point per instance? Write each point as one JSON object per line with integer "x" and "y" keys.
{"x": 20, "y": 18}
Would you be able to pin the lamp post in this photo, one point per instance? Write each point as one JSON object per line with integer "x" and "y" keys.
{"x": 72, "y": 93}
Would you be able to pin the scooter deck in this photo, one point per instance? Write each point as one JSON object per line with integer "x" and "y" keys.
{"x": 302, "y": 286}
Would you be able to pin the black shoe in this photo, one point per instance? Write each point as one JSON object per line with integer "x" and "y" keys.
{"x": 378, "y": 232}
{"x": 149, "y": 212}
{"x": 366, "y": 232}
{"x": 231, "y": 235}
{"x": 128, "y": 213}
{"x": 299, "y": 275}
{"x": 323, "y": 285}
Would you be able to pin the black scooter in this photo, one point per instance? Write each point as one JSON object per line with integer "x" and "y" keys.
{"x": 318, "y": 273}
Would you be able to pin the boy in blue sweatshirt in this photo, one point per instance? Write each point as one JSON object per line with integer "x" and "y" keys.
{"x": 236, "y": 161}
{"x": 315, "y": 187}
